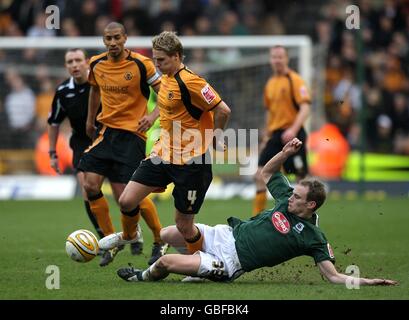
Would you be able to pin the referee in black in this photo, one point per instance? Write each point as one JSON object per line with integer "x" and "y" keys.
{"x": 71, "y": 101}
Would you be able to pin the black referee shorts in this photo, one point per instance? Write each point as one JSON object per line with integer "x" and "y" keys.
{"x": 78, "y": 146}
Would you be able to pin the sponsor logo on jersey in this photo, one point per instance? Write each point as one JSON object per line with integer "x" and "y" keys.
{"x": 70, "y": 95}
{"x": 115, "y": 89}
{"x": 303, "y": 92}
{"x": 208, "y": 94}
{"x": 170, "y": 95}
{"x": 128, "y": 75}
{"x": 299, "y": 227}
{"x": 330, "y": 252}
{"x": 280, "y": 222}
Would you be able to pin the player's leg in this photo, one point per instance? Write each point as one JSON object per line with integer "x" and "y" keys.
{"x": 136, "y": 247}
{"x": 150, "y": 215}
{"x": 129, "y": 201}
{"x": 174, "y": 238}
{"x": 171, "y": 263}
{"x": 91, "y": 216}
{"x": 191, "y": 184}
{"x": 98, "y": 203}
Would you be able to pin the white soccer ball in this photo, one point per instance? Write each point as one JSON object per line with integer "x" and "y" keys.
{"x": 82, "y": 246}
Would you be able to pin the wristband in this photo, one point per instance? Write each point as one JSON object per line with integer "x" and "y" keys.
{"x": 52, "y": 154}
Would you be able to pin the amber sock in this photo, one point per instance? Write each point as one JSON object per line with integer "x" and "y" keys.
{"x": 129, "y": 222}
{"x": 196, "y": 243}
{"x": 100, "y": 209}
{"x": 150, "y": 215}
{"x": 259, "y": 203}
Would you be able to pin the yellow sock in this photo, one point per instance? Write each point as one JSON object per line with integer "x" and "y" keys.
{"x": 259, "y": 203}
{"x": 129, "y": 221}
{"x": 99, "y": 207}
{"x": 196, "y": 243}
{"x": 150, "y": 215}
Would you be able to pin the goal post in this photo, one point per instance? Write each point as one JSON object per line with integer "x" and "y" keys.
{"x": 301, "y": 43}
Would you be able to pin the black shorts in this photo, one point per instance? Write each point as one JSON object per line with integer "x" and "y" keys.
{"x": 191, "y": 181}
{"x": 296, "y": 164}
{"x": 115, "y": 154}
{"x": 78, "y": 146}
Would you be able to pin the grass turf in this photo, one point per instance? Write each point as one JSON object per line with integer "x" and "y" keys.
{"x": 370, "y": 234}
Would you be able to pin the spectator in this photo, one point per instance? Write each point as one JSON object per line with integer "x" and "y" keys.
{"x": 20, "y": 107}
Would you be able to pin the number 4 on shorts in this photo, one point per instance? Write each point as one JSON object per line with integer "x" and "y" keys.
{"x": 191, "y": 196}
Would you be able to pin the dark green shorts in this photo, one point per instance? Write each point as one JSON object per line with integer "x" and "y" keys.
{"x": 115, "y": 154}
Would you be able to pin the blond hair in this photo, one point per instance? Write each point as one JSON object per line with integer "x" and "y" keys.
{"x": 168, "y": 42}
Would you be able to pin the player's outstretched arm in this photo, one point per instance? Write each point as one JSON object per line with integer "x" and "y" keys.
{"x": 275, "y": 163}
{"x": 328, "y": 270}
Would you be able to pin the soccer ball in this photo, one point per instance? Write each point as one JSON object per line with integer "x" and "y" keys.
{"x": 82, "y": 246}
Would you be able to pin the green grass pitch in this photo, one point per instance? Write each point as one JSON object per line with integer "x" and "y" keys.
{"x": 370, "y": 234}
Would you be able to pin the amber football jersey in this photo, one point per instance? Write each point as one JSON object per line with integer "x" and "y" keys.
{"x": 185, "y": 101}
{"x": 282, "y": 96}
{"x": 124, "y": 88}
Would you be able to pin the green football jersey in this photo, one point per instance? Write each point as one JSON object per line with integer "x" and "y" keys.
{"x": 275, "y": 235}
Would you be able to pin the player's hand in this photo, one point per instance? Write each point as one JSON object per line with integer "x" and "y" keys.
{"x": 91, "y": 129}
{"x": 381, "y": 282}
{"x": 145, "y": 123}
{"x": 219, "y": 145}
{"x": 54, "y": 162}
{"x": 288, "y": 135}
{"x": 292, "y": 147}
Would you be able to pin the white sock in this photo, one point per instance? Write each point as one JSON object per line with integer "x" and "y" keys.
{"x": 146, "y": 275}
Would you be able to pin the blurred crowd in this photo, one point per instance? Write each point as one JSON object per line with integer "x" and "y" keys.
{"x": 383, "y": 82}
{"x": 375, "y": 91}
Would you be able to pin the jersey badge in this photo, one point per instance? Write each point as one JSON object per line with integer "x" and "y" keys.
{"x": 299, "y": 227}
{"x": 208, "y": 94}
{"x": 280, "y": 222}
{"x": 170, "y": 95}
{"x": 128, "y": 75}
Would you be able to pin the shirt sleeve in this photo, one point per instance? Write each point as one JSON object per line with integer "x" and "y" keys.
{"x": 57, "y": 114}
{"x": 91, "y": 78}
{"x": 152, "y": 76}
{"x": 301, "y": 93}
{"x": 202, "y": 94}
{"x": 279, "y": 187}
{"x": 321, "y": 250}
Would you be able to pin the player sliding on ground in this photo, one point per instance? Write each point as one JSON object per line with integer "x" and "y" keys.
{"x": 274, "y": 236}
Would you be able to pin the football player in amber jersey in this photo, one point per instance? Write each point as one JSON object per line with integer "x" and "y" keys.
{"x": 272, "y": 237}
{"x": 189, "y": 109}
{"x": 287, "y": 103}
{"x": 120, "y": 81}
